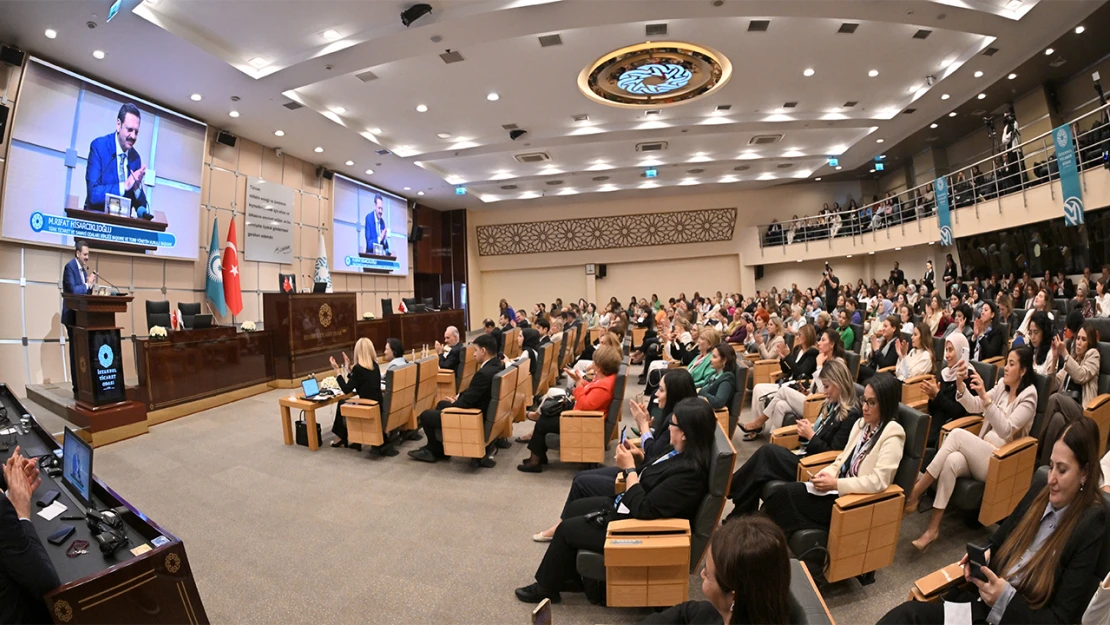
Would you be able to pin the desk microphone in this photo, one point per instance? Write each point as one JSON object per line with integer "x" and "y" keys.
{"x": 100, "y": 277}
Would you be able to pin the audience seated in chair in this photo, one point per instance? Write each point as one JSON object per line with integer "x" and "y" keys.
{"x": 721, "y": 385}
{"x": 450, "y": 351}
{"x": 829, "y": 432}
{"x": 477, "y": 395}
{"x": 917, "y": 358}
{"x": 776, "y": 398}
{"x": 363, "y": 379}
{"x": 986, "y": 338}
{"x": 670, "y": 487}
{"x": 883, "y": 352}
{"x": 1076, "y": 384}
{"x": 1008, "y": 410}
{"x": 1042, "y": 561}
{"x": 943, "y": 406}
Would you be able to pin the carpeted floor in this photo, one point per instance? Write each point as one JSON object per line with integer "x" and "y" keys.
{"x": 280, "y": 534}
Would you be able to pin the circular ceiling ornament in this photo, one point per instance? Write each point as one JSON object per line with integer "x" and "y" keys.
{"x": 654, "y": 74}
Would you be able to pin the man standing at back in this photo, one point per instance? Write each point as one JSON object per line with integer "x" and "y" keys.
{"x": 76, "y": 280}
{"x": 115, "y": 167}
{"x": 477, "y": 395}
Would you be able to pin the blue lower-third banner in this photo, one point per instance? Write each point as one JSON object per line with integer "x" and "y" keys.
{"x": 380, "y": 264}
{"x": 97, "y": 231}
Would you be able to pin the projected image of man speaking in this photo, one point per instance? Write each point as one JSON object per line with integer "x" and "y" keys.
{"x": 376, "y": 232}
{"x": 115, "y": 167}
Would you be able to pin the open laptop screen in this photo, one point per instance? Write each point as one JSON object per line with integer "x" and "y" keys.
{"x": 310, "y": 387}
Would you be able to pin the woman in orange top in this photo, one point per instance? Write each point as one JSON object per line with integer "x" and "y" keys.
{"x": 595, "y": 395}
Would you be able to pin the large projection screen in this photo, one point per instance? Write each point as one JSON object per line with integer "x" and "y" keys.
{"x": 370, "y": 230}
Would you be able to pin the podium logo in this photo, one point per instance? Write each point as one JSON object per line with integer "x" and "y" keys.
{"x": 325, "y": 315}
{"x": 82, "y": 364}
{"x": 106, "y": 356}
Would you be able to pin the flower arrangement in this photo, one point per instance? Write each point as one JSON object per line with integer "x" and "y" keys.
{"x": 329, "y": 383}
{"x": 368, "y": 315}
{"x": 157, "y": 333}
{"x": 248, "y": 326}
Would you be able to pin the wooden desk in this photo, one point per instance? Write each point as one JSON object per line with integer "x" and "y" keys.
{"x": 377, "y": 330}
{"x": 153, "y": 587}
{"x": 193, "y": 364}
{"x": 418, "y": 329}
{"x": 298, "y": 402}
{"x": 308, "y": 328}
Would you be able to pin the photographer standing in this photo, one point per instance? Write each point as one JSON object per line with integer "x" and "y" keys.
{"x": 831, "y": 283}
{"x": 897, "y": 276}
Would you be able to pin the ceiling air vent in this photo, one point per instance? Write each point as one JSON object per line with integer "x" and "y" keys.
{"x": 849, "y": 105}
{"x": 452, "y": 56}
{"x": 533, "y": 157}
{"x": 655, "y": 30}
{"x": 600, "y": 178}
{"x": 784, "y": 165}
{"x": 581, "y": 117}
{"x": 695, "y": 171}
{"x": 510, "y": 126}
{"x": 758, "y": 26}
{"x": 546, "y": 41}
{"x": 848, "y": 28}
{"x": 292, "y": 106}
{"x": 508, "y": 187}
{"x": 764, "y": 139}
{"x": 653, "y": 146}
{"x": 978, "y": 112}
{"x": 554, "y": 183}
{"x": 383, "y": 152}
{"x": 1058, "y": 62}
{"x": 990, "y": 51}
{"x": 367, "y": 76}
{"x": 790, "y": 105}
{"x": 909, "y": 111}
{"x": 741, "y": 168}
{"x": 724, "y": 107}
{"x": 922, "y": 34}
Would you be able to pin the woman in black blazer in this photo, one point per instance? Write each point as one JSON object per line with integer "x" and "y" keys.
{"x": 721, "y": 387}
{"x": 1059, "y": 576}
{"x": 828, "y": 433}
{"x": 943, "y": 406}
{"x": 671, "y": 487}
{"x": 883, "y": 352}
{"x": 365, "y": 380}
{"x": 802, "y": 362}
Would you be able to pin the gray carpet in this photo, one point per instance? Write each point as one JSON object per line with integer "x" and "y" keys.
{"x": 281, "y": 534}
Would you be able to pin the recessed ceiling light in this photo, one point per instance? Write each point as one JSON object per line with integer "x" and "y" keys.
{"x": 1078, "y": 30}
{"x": 817, "y": 179}
{"x": 1011, "y": 76}
{"x": 408, "y": 188}
{"x": 944, "y": 96}
{"x": 51, "y": 33}
{"x": 952, "y": 114}
{"x": 444, "y": 135}
{"x": 982, "y": 96}
{"x": 979, "y": 74}
{"x": 339, "y": 110}
{"x": 196, "y": 97}
{"x": 879, "y": 140}
{"x": 1049, "y": 51}
{"x": 258, "y": 62}
{"x": 839, "y": 167}
{"x": 872, "y": 171}
{"x": 349, "y": 163}
{"x": 318, "y": 149}
{"x": 420, "y": 193}
{"x": 873, "y": 73}
{"x": 420, "y": 108}
{"x": 808, "y": 72}
{"x": 933, "y": 126}
{"x": 98, "y": 54}
{"x": 493, "y": 97}
{"x": 331, "y": 35}
{"x": 234, "y": 113}
{"x": 376, "y": 131}
{"x": 369, "y": 172}
{"x": 279, "y": 133}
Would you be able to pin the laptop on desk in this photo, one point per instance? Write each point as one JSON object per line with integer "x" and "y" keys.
{"x": 201, "y": 322}
{"x": 311, "y": 389}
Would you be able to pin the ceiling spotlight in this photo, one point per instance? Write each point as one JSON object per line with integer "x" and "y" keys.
{"x": 331, "y": 35}
{"x": 808, "y": 72}
{"x": 318, "y": 149}
{"x": 944, "y": 96}
{"x": 979, "y": 74}
{"x": 444, "y": 135}
{"x": 279, "y": 133}
{"x": 817, "y": 179}
{"x": 234, "y": 113}
{"x": 873, "y": 73}
{"x": 872, "y": 171}
{"x": 376, "y": 131}
{"x": 339, "y": 110}
{"x": 420, "y": 193}
{"x": 408, "y": 188}
{"x": 839, "y": 167}
{"x": 1048, "y": 51}
{"x": 879, "y": 140}
{"x": 1078, "y": 30}
{"x": 369, "y": 172}
{"x": 98, "y": 54}
{"x": 1011, "y": 76}
{"x": 952, "y": 114}
{"x": 493, "y": 97}
{"x": 420, "y": 108}
{"x": 981, "y": 96}
{"x": 258, "y": 62}
{"x": 415, "y": 12}
{"x": 51, "y": 33}
{"x": 195, "y": 97}
{"x": 349, "y": 163}
{"x": 933, "y": 126}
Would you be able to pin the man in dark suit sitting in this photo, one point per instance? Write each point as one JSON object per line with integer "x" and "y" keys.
{"x": 115, "y": 167}
{"x": 477, "y": 395}
{"x": 26, "y": 573}
{"x": 544, "y": 328}
{"x": 498, "y": 335}
{"x": 450, "y": 350}
{"x": 76, "y": 279}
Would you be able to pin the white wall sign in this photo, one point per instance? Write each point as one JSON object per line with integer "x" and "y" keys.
{"x": 269, "y": 223}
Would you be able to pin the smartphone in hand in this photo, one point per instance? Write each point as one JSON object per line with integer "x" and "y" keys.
{"x": 976, "y": 558}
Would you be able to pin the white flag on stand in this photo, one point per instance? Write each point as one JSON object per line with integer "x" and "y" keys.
{"x": 322, "y": 273}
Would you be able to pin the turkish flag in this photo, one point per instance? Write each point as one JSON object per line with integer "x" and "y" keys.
{"x": 232, "y": 295}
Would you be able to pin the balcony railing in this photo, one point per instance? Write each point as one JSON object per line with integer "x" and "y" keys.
{"x": 1005, "y": 173}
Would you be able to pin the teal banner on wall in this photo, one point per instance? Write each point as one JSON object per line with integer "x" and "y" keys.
{"x": 1071, "y": 188}
{"x": 944, "y": 217}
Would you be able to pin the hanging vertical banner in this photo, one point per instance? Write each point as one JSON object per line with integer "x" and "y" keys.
{"x": 1070, "y": 187}
{"x": 944, "y": 217}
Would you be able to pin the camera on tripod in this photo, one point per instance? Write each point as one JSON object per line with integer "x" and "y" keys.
{"x": 988, "y": 121}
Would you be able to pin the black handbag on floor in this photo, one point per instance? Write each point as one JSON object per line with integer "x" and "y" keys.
{"x": 301, "y": 435}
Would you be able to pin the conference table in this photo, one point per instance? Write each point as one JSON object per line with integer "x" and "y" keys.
{"x": 147, "y": 581}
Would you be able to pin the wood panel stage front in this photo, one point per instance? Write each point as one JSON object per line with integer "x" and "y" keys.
{"x": 415, "y": 330}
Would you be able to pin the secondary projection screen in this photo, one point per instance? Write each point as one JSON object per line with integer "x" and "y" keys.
{"x": 370, "y": 231}
{"x": 90, "y": 162}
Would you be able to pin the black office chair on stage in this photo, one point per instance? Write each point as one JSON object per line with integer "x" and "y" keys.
{"x": 188, "y": 311}
{"x": 158, "y": 314}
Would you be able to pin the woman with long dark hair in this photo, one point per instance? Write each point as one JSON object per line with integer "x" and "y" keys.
{"x": 1039, "y": 336}
{"x": 671, "y": 487}
{"x": 1043, "y": 560}
{"x": 1076, "y": 384}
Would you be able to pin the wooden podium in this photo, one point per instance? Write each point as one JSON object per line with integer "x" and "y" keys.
{"x": 102, "y": 402}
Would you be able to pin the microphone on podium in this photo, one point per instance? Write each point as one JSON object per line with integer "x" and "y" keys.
{"x": 115, "y": 289}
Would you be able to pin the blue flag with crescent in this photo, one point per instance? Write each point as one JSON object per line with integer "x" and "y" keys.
{"x": 1070, "y": 187}
{"x": 214, "y": 276}
{"x": 944, "y": 217}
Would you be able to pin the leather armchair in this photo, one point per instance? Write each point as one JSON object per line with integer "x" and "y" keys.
{"x": 583, "y": 436}
{"x": 158, "y": 314}
{"x": 188, "y": 310}
{"x": 468, "y": 433}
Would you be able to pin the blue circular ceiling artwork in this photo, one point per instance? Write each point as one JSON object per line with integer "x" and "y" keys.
{"x": 654, "y": 74}
{"x": 654, "y": 79}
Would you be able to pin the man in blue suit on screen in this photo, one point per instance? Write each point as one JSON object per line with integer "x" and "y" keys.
{"x": 76, "y": 279}
{"x": 375, "y": 227}
{"x": 115, "y": 167}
